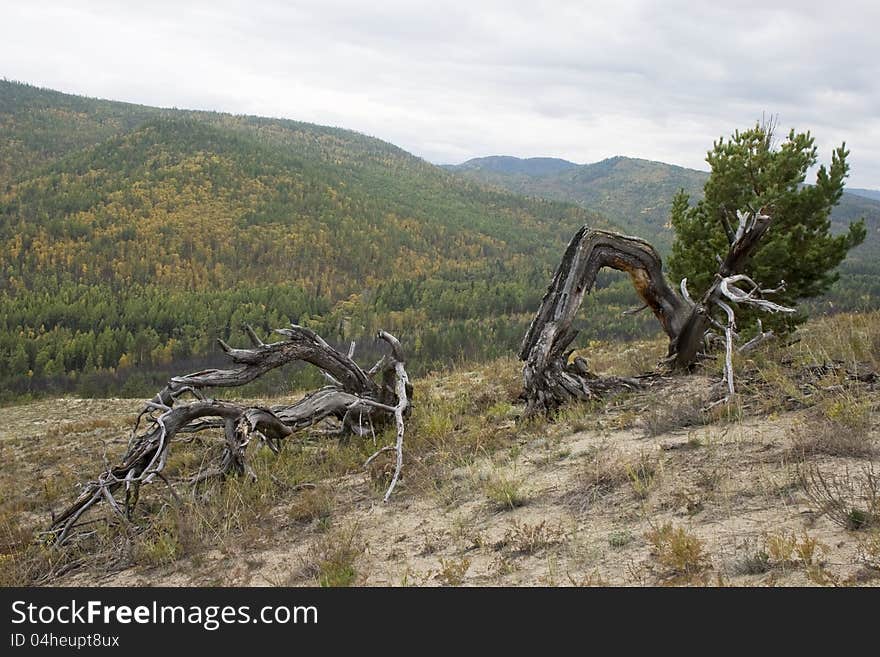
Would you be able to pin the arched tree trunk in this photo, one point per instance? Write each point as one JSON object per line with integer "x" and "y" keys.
{"x": 550, "y": 380}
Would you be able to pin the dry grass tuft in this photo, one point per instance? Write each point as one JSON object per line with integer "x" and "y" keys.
{"x": 673, "y": 414}
{"x": 527, "y": 539}
{"x": 331, "y": 560}
{"x": 605, "y": 471}
{"x": 505, "y": 491}
{"x": 838, "y": 426}
{"x": 869, "y": 551}
{"x": 676, "y": 550}
{"x": 850, "y": 500}
{"x": 452, "y": 572}
{"x": 314, "y": 503}
{"x": 752, "y": 563}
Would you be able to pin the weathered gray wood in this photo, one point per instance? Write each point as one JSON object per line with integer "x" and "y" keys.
{"x": 587, "y": 253}
{"x": 358, "y": 402}
{"x": 549, "y": 380}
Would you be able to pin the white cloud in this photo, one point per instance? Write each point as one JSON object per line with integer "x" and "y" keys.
{"x": 453, "y": 80}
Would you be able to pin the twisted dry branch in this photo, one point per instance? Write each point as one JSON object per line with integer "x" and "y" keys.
{"x": 754, "y": 297}
{"x": 402, "y": 387}
{"x": 359, "y": 400}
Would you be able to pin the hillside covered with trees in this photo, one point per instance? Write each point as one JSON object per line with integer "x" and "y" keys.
{"x": 637, "y": 195}
{"x": 132, "y": 237}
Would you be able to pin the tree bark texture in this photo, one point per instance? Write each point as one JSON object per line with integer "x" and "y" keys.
{"x": 359, "y": 400}
{"x": 550, "y": 380}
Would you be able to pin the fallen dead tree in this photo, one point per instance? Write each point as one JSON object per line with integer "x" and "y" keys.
{"x": 360, "y": 402}
{"x": 551, "y": 379}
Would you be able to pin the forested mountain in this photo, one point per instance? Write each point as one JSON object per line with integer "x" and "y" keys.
{"x": 131, "y": 238}
{"x": 873, "y": 194}
{"x": 637, "y": 196}
{"x": 633, "y": 193}
{"x": 514, "y": 166}
{"x": 39, "y": 126}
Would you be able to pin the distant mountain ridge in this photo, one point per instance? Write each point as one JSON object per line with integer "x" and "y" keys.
{"x": 633, "y": 193}
{"x": 531, "y": 166}
{"x": 873, "y": 194}
{"x": 636, "y": 194}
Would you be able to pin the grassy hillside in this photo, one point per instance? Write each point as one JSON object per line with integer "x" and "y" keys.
{"x": 131, "y": 238}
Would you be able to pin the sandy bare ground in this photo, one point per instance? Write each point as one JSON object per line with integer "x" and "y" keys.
{"x": 594, "y": 499}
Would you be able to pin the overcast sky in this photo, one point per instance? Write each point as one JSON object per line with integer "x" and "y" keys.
{"x": 451, "y": 80}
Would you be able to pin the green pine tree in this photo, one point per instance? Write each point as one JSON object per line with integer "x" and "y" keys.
{"x": 749, "y": 172}
{"x": 18, "y": 361}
